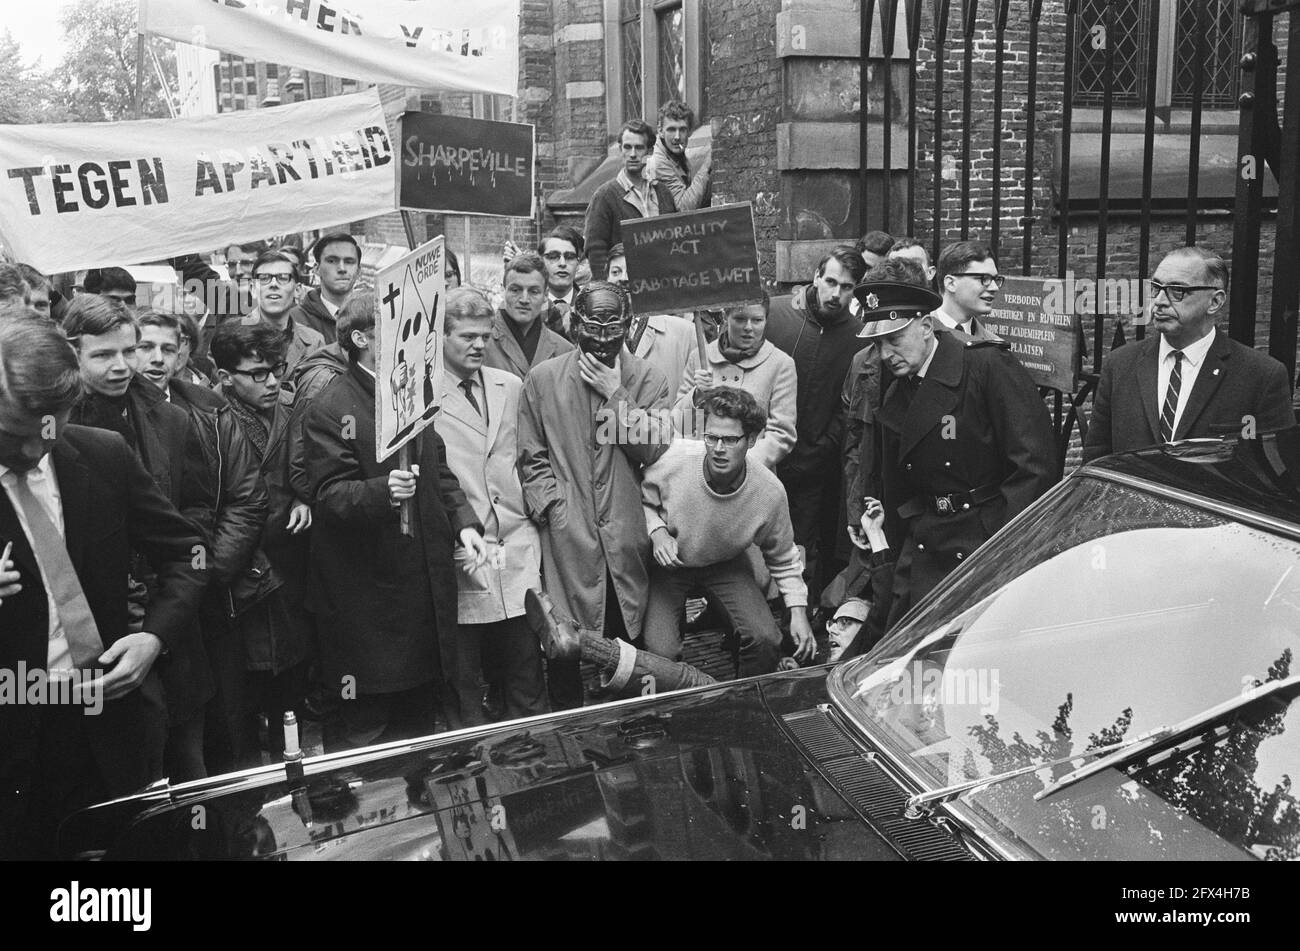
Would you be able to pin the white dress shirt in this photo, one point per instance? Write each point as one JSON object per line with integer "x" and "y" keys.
{"x": 1193, "y": 359}
{"x": 952, "y": 323}
{"x": 45, "y": 487}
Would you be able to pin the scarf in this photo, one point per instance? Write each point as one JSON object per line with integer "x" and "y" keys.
{"x": 254, "y": 426}
{"x": 734, "y": 354}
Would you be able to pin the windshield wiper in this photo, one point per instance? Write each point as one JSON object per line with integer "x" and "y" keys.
{"x": 1186, "y": 728}
{"x": 922, "y": 804}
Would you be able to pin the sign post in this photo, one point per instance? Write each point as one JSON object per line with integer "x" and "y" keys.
{"x": 410, "y": 299}
{"x": 694, "y": 259}
{"x": 466, "y": 166}
{"x": 1044, "y": 339}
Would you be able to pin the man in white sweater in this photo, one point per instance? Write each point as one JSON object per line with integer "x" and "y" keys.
{"x": 704, "y": 506}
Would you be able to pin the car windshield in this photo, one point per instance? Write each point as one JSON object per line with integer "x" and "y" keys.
{"x": 1111, "y": 613}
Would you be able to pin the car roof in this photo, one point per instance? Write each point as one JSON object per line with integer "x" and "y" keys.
{"x": 1259, "y": 478}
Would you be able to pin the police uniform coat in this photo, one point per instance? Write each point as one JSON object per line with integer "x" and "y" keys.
{"x": 573, "y": 460}
{"x": 974, "y": 424}
{"x": 482, "y": 454}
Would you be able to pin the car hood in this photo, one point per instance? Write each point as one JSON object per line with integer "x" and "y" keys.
{"x": 712, "y": 773}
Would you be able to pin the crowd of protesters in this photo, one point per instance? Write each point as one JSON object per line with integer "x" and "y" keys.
{"x": 193, "y": 505}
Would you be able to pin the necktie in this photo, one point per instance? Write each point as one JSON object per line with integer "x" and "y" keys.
{"x": 74, "y": 611}
{"x": 561, "y": 306}
{"x": 1171, "y": 399}
{"x": 468, "y": 387}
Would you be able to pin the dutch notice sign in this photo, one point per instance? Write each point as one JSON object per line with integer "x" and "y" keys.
{"x": 693, "y": 259}
{"x": 466, "y": 166}
{"x": 1043, "y": 338}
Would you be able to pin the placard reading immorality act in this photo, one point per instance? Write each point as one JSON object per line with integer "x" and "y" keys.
{"x": 466, "y": 166}
{"x": 89, "y": 194}
{"x": 693, "y": 259}
{"x": 1043, "y": 336}
{"x": 410, "y": 298}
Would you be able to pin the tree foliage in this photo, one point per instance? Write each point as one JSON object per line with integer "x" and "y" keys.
{"x": 26, "y": 94}
{"x": 98, "y": 72}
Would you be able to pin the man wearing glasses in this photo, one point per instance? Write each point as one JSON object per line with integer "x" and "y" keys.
{"x": 969, "y": 281}
{"x": 274, "y": 280}
{"x": 1189, "y": 380}
{"x": 704, "y": 507}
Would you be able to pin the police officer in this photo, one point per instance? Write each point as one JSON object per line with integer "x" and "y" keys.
{"x": 965, "y": 442}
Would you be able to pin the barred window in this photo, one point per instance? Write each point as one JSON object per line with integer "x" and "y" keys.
{"x": 1179, "y": 59}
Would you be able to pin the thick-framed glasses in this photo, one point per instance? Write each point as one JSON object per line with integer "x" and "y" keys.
{"x": 1175, "y": 292}
{"x": 986, "y": 280}
{"x": 560, "y": 256}
{"x": 266, "y": 280}
{"x": 259, "y": 375}
{"x": 726, "y": 442}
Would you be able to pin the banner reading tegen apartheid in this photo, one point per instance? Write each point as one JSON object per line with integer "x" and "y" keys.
{"x": 88, "y": 194}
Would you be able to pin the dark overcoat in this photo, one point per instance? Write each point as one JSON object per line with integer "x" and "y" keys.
{"x": 385, "y": 604}
{"x": 975, "y": 423}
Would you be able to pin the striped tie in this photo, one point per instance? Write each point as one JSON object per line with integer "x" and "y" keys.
{"x": 1171, "y": 399}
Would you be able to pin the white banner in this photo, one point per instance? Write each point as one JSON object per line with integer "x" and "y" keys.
{"x": 434, "y": 44}
{"x": 410, "y": 299}
{"x": 82, "y": 195}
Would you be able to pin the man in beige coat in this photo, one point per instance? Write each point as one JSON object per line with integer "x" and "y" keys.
{"x": 478, "y": 420}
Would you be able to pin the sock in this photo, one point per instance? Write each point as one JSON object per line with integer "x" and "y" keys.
{"x": 600, "y": 651}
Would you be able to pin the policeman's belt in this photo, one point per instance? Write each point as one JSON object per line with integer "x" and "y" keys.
{"x": 952, "y": 503}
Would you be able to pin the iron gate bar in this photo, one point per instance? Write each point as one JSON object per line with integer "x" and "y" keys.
{"x": 968, "y": 10}
{"x": 866, "y": 11}
{"x": 1194, "y": 150}
{"x": 1286, "y": 252}
{"x": 1067, "y": 117}
{"x": 888, "y": 10}
{"x": 1000, "y": 29}
{"x": 913, "y": 11}
{"x": 1148, "y": 149}
{"x": 940, "y": 31}
{"x": 1259, "y": 74}
{"x": 1027, "y": 223}
{"x": 1103, "y": 197}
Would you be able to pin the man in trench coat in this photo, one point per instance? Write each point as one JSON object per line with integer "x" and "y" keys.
{"x": 589, "y": 421}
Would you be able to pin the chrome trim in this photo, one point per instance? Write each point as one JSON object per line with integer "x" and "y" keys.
{"x": 163, "y": 792}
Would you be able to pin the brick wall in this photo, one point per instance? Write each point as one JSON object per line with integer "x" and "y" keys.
{"x": 745, "y": 102}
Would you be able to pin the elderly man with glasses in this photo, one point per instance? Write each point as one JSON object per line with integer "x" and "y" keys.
{"x": 1188, "y": 380}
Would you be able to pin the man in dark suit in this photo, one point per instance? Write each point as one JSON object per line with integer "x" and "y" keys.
{"x": 1189, "y": 380}
{"x": 385, "y": 602}
{"x": 74, "y": 504}
{"x": 107, "y": 337}
{"x": 966, "y": 443}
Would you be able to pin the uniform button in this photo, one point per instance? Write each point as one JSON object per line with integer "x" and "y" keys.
{"x": 600, "y": 485}
{"x": 965, "y": 506}
{"x": 920, "y": 546}
{"x": 909, "y": 467}
{"x": 947, "y": 465}
{"x": 959, "y": 556}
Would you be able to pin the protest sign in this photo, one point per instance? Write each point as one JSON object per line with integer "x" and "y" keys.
{"x": 466, "y": 166}
{"x": 85, "y": 194}
{"x": 1044, "y": 340}
{"x": 426, "y": 43}
{"x": 692, "y": 259}
{"x": 410, "y": 297}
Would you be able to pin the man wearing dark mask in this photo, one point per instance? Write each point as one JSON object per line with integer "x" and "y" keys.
{"x": 580, "y": 483}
